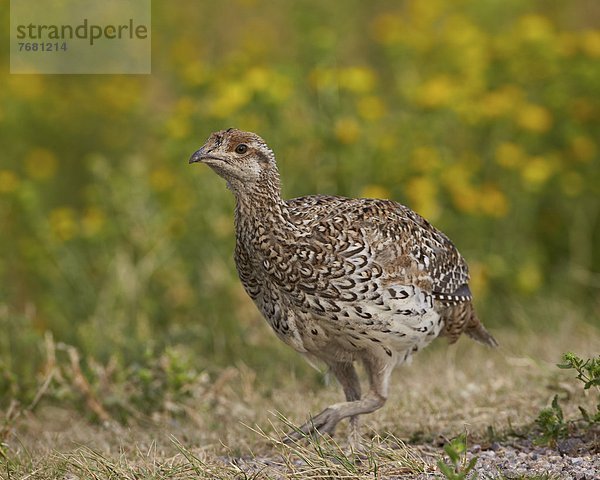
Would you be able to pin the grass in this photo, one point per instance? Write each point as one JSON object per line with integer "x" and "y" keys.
{"x": 232, "y": 427}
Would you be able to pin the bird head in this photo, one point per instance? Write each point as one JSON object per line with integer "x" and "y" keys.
{"x": 241, "y": 158}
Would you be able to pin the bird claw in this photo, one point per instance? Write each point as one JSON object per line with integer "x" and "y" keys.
{"x": 324, "y": 423}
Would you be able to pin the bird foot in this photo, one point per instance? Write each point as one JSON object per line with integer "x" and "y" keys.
{"x": 324, "y": 423}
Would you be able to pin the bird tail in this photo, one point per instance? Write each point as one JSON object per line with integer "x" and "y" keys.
{"x": 478, "y": 332}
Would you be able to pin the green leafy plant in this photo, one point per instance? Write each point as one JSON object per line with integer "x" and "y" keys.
{"x": 459, "y": 468}
{"x": 551, "y": 420}
{"x": 588, "y": 372}
{"x": 552, "y": 423}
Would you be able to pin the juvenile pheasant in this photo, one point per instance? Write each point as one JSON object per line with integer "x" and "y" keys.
{"x": 338, "y": 279}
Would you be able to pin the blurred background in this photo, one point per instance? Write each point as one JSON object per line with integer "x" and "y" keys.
{"x": 483, "y": 117}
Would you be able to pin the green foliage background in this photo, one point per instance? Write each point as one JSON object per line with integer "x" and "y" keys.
{"x": 482, "y": 116}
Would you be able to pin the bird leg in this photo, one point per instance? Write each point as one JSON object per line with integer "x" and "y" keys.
{"x": 325, "y": 422}
{"x": 348, "y": 379}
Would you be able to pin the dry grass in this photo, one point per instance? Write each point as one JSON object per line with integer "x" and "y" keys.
{"x": 236, "y": 432}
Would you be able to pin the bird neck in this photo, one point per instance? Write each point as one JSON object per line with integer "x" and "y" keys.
{"x": 261, "y": 205}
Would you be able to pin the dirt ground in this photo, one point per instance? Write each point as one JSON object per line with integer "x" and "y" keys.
{"x": 232, "y": 430}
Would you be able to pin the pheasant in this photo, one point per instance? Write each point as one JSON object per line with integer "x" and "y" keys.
{"x": 341, "y": 280}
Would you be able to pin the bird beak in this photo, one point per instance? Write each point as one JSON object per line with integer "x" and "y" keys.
{"x": 198, "y": 155}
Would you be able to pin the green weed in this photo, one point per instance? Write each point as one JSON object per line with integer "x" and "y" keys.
{"x": 551, "y": 420}
{"x": 458, "y": 468}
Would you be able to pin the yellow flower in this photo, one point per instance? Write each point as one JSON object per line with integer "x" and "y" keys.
{"x": 529, "y": 277}
{"x": 536, "y": 28}
{"x": 194, "y": 73}
{"x": 436, "y": 92}
{"x": 92, "y": 221}
{"x": 590, "y": 42}
{"x": 62, "y": 223}
{"x": 258, "y": 78}
{"x": 534, "y": 117}
{"x": 479, "y": 278}
{"x": 9, "y": 182}
{"x": 465, "y": 199}
{"x": 119, "y": 94}
{"x": 347, "y": 130}
{"x": 26, "y": 86}
{"x": 509, "y": 155}
{"x": 229, "y": 99}
{"x": 371, "y": 108}
{"x": 178, "y": 127}
{"x": 537, "y": 170}
{"x": 357, "y": 79}
{"x": 280, "y": 88}
{"x": 501, "y": 101}
{"x": 375, "y": 191}
{"x": 422, "y": 192}
{"x": 40, "y": 164}
{"x": 493, "y": 202}
{"x": 425, "y": 159}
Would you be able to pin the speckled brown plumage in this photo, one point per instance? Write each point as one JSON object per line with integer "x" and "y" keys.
{"x": 341, "y": 280}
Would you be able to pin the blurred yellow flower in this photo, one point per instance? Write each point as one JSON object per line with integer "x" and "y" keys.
{"x": 425, "y": 159}
{"x": 194, "y": 73}
{"x": 375, "y": 191}
{"x": 572, "y": 183}
{"x": 529, "y": 277}
{"x": 178, "y": 127}
{"x": 28, "y": 87}
{"x": 537, "y": 170}
{"x": 62, "y": 223}
{"x": 357, "y": 79}
{"x": 162, "y": 179}
{"x": 280, "y": 88}
{"x": 185, "y": 106}
{"x": 536, "y": 28}
{"x": 492, "y": 201}
{"x": 119, "y": 94}
{"x": 346, "y": 130}
{"x": 478, "y": 284}
{"x": 93, "y": 221}
{"x": 436, "y": 92}
{"x": 229, "y": 98}
{"x": 501, "y": 101}
{"x": 258, "y": 78}
{"x": 422, "y": 192}
{"x": 371, "y": 107}
{"x": 465, "y": 198}
{"x": 9, "y": 182}
{"x": 509, "y": 155}
{"x": 583, "y": 148}
{"x": 40, "y": 164}
{"x": 534, "y": 117}
{"x": 590, "y": 43}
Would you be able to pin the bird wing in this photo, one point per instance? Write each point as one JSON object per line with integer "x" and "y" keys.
{"x": 391, "y": 236}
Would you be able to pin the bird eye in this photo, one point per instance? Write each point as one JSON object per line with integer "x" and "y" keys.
{"x": 241, "y": 148}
